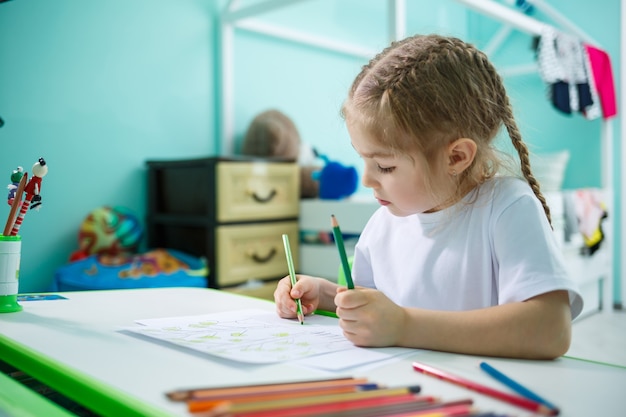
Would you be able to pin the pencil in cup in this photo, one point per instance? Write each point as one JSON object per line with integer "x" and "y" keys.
{"x": 292, "y": 275}
{"x": 17, "y": 202}
{"x": 515, "y": 400}
{"x": 342, "y": 250}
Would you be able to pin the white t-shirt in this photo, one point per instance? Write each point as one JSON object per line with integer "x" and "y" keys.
{"x": 494, "y": 247}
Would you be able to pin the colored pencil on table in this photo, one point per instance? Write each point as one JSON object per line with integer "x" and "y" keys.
{"x": 353, "y": 396}
{"x": 292, "y": 276}
{"x": 17, "y": 201}
{"x": 515, "y": 386}
{"x": 201, "y": 404}
{"x": 269, "y": 388}
{"x": 296, "y": 406}
{"x": 375, "y": 407}
{"x": 412, "y": 409}
{"x": 342, "y": 251}
{"x": 326, "y": 313}
{"x": 453, "y": 411}
{"x": 518, "y": 401}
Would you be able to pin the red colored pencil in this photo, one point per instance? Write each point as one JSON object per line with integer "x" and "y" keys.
{"x": 455, "y": 410}
{"x": 503, "y": 396}
{"x": 359, "y": 407}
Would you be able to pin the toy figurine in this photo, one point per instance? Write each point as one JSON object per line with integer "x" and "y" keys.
{"x": 16, "y": 176}
{"x": 32, "y": 191}
{"x": 336, "y": 180}
{"x": 33, "y": 188}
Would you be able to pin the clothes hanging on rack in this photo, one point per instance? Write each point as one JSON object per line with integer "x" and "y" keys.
{"x": 579, "y": 76}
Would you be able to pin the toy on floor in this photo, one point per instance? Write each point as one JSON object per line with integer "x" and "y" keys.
{"x": 108, "y": 258}
{"x": 108, "y": 231}
{"x": 153, "y": 269}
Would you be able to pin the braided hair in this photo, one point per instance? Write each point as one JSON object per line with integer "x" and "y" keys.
{"x": 426, "y": 91}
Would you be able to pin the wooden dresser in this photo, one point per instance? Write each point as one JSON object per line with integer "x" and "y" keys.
{"x": 232, "y": 211}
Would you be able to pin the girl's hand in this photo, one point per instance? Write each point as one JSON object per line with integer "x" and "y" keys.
{"x": 307, "y": 289}
{"x": 369, "y": 318}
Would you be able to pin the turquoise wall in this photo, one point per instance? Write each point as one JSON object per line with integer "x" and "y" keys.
{"x": 99, "y": 87}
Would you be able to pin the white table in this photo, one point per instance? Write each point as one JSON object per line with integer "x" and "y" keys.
{"x": 74, "y": 346}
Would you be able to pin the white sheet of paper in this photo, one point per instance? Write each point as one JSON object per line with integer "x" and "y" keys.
{"x": 261, "y": 337}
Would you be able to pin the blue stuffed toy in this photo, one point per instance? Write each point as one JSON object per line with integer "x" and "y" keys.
{"x": 336, "y": 181}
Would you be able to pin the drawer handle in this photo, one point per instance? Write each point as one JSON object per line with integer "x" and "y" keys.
{"x": 259, "y": 199}
{"x": 262, "y": 259}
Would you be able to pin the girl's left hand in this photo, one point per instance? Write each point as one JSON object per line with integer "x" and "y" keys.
{"x": 369, "y": 318}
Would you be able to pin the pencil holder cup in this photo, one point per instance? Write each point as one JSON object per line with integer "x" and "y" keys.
{"x": 10, "y": 251}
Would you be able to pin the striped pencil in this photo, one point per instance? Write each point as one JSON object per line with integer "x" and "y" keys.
{"x": 14, "y": 206}
{"x": 20, "y": 216}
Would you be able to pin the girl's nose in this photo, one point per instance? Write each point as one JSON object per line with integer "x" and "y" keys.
{"x": 367, "y": 179}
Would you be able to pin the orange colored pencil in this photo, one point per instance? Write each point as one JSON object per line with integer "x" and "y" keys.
{"x": 296, "y": 386}
{"x": 197, "y": 405}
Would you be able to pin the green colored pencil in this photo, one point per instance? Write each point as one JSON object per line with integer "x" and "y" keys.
{"x": 342, "y": 251}
{"x": 326, "y": 313}
{"x": 292, "y": 275}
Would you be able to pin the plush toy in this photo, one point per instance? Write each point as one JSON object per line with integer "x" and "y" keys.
{"x": 336, "y": 181}
{"x": 108, "y": 230}
{"x": 273, "y": 134}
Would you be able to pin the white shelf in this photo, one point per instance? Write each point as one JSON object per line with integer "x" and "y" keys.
{"x": 352, "y": 214}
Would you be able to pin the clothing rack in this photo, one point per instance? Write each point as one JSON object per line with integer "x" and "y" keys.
{"x": 242, "y": 18}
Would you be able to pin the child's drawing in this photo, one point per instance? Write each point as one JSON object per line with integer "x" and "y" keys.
{"x": 249, "y": 336}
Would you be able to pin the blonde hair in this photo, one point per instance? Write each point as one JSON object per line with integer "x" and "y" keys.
{"x": 424, "y": 92}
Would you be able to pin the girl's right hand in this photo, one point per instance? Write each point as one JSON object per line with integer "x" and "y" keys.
{"x": 307, "y": 289}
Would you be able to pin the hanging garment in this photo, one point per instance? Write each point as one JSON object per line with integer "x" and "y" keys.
{"x": 562, "y": 65}
{"x": 593, "y": 111}
{"x": 602, "y": 73}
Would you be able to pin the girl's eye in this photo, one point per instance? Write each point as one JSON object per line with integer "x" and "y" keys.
{"x": 385, "y": 170}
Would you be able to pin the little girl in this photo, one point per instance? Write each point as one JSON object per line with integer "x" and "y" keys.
{"x": 459, "y": 258}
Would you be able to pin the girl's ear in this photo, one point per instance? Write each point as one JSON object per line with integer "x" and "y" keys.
{"x": 460, "y": 154}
